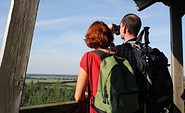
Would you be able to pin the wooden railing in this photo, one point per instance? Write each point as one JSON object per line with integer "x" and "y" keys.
{"x": 63, "y": 107}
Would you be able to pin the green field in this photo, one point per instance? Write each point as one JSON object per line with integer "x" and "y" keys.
{"x": 45, "y": 89}
{"x": 50, "y": 79}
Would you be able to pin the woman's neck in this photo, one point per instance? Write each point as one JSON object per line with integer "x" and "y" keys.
{"x": 106, "y": 50}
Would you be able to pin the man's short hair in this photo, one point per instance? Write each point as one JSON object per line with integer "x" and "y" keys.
{"x": 132, "y": 22}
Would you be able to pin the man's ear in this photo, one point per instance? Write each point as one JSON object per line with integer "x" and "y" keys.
{"x": 124, "y": 29}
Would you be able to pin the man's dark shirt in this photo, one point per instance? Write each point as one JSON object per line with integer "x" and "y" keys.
{"x": 125, "y": 50}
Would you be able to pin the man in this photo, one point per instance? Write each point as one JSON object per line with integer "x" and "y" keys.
{"x": 129, "y": 28}
{"x": 152, "y": 97}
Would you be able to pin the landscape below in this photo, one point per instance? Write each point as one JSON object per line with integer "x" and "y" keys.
{"x": 48, "y": 88}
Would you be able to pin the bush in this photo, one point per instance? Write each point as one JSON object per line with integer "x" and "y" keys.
{"x": 39, "y": 93}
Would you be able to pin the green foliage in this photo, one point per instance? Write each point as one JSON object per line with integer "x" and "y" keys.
{"x": 39, "y": 93}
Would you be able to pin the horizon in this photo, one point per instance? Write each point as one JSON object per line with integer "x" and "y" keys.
{"x": 48, "y": 74}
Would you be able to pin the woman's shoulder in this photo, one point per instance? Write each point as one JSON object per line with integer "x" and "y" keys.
{"x": 90, "y": 54}
{"x": 89, "y": 57}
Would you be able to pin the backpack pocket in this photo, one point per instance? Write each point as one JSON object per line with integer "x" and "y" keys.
{"x": 125, "y": 102}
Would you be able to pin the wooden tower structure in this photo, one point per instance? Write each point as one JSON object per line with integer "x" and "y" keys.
{"x": 15, "y": 52}
{"x": 17, "y": 41}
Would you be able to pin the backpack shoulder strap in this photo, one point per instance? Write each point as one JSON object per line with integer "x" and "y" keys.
{"x": 102, "y": 54}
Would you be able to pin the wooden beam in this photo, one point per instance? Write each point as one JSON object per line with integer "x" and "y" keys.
{"x": 177, "y": 57}
{"x": 64, "y": 107}
{"x": 15, "y": 53}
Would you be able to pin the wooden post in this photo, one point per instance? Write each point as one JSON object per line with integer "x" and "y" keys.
{"x": 15, "y": 53}
{"x": 177, "y": 56}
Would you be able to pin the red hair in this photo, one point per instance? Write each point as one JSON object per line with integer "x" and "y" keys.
{"x": 99, "y": 35}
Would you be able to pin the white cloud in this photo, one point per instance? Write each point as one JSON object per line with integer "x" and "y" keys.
{"x": 72, "y": 20}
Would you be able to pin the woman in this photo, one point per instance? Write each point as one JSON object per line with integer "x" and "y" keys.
{"x": 98, "y": 37}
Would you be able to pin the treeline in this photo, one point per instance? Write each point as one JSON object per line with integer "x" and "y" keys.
{"x": 38, "y": 93}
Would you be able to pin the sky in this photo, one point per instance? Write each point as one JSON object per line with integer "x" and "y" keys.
{"x": 61, "y": 25}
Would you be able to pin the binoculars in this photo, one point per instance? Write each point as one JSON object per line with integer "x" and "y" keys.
{"x": 116, "y": 29}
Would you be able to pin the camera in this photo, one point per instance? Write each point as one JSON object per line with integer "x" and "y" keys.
{"x": 116, "y": 29}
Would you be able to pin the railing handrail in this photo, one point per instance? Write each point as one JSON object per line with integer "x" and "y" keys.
{"x": 60, "y": 107}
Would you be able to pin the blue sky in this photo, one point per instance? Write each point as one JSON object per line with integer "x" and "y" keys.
{"x": 58, "y": 44}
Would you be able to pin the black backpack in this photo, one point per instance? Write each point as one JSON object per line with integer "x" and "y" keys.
{"x": 153, "y": 64}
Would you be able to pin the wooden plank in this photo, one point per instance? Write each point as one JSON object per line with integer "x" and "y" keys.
{"x": 15, "y": 53}
{"x": 177, "y": 57}
{"x": 64, "y": 107}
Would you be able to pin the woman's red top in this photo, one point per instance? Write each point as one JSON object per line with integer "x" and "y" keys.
{"x": 90, "y": 62}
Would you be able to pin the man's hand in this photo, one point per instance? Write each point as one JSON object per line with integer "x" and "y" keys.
{"x": 110, "y": 26}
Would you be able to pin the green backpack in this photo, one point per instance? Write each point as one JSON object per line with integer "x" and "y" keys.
{"x": 117, "y": 89}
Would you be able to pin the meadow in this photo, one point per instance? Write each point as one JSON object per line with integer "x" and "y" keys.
{"x": 51, "y": 79}
{"x": 45, "y": 89}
